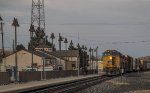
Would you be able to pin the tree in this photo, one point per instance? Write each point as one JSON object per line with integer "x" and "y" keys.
{"x": 20, "y": 47}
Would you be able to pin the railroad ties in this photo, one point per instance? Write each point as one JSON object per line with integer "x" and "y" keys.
{"x": 72, "y": 86}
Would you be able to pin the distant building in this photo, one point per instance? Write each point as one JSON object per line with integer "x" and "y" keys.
{"x": 7, "y": 52}
{"x": 44, "y": 48}
{"x": 24, "y": 60}
{"x": 59, "y": 60}
{"x": 71, "y": 57}
{"x": 92, "y": 64}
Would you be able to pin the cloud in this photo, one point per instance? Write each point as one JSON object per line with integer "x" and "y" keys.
{"x": 99, "y": 20}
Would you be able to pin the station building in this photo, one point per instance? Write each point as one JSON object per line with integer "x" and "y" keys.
{"x": 42, "y": 56}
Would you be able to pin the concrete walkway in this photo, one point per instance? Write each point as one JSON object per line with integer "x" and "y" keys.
{"x": 11, "y": 88}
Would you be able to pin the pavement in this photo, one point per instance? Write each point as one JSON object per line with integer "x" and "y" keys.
{"x": 129, "y": 83}
{"x": 13, "y": 88}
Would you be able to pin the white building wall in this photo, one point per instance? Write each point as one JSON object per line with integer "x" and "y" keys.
{"x": 92, "y": 65}
{"x": 23, "y": 59}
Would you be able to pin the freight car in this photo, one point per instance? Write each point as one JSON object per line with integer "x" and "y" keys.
{"x": 128, "y": 60}
{"x": 115, "y": 63}
{"x": 142, "y": 65}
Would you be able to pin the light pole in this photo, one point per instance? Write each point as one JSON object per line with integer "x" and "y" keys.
{"x": 85, "y": 48}
{"x": 15, "y": 24}
{"x": 96, "y": 50}
{"x": 71, "y": 46}
{"x": 83, "y": 63}
{"x": 66, "y": 41}
{"x": 60, "y": 40}
{"x": 52, "y": 37}
{"x": 1, "y": 22}
{"x": 90, "y": 58}
{"x": 32, "y": 30}
{"x": 78, "y": 46}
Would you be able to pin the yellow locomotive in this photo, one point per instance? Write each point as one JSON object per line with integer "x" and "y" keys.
{"x": 113, "y": 62}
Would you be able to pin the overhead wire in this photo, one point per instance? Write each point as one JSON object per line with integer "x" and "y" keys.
{"x": 82, "y": 40}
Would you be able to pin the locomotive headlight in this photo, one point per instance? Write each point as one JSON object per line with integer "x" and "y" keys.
{"x": 110, "y": 57}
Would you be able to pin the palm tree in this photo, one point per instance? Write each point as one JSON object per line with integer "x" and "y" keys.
{"x": 59, "y": 40}
{"x": 16, "y": 24}
{"x": 52, "y": 37}
{"x": 66, "y": 41}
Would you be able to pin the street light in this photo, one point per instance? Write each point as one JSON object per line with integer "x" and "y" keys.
{"x": 78, "y": 46}
{"x": 60, "y": 40}
{"x": 15, "y": 24}
{"x": 52, "y": 37}
{"x": 90, "y": 58}
{"x": 66, "y": 41}
{"x": 83, "y": 56}
{"x": 96, "y": 50}
{"x": 71, "y": 46}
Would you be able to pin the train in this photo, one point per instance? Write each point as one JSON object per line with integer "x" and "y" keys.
{"x": 115, "y": 63}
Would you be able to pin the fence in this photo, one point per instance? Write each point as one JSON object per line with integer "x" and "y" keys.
{"x": 26, "y": 76}
{"x": 4, "y": 78}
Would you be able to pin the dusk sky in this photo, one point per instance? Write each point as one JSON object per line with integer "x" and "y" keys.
{"x": 123, "y": 25}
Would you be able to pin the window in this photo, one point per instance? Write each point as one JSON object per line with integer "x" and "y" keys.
{"x": 73, "y": 65}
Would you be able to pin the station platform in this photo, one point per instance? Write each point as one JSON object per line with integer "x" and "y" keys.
{"x": 16, "y": 88}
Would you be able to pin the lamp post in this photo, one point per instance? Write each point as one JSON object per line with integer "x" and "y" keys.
{"x": 78, "y": 46}
{"x": 96, "y": 50}
{"x": 1, "y": 22}
{"x": 32, "y": 30}
{"x": 71, "y": 46}
{"x": 66, "y": 41}
{"x": 85, "y": 48}
{"x": 52, "y": 37}
{"x": 90, "y": 58}
{"x": 15, "y": 24}
{"x": 83, "y": 57}
{"x": 60, "y": 40}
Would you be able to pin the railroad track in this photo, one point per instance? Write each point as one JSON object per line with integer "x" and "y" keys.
{"x": 72, "y": 86}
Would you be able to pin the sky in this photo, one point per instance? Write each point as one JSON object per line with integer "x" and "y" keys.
{"x": 123, "y": 25}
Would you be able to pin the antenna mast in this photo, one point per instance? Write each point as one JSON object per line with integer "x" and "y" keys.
{"x": 38, "y": 23}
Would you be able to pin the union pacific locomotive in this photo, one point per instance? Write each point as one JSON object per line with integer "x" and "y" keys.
{"x": 116, "y": 63}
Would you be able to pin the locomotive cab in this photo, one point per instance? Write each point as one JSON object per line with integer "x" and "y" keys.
{"x": 113, "y": 62}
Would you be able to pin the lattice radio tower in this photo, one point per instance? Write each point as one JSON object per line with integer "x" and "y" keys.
{"x": 37, "y": 28}
{"x": 38, "y": 15}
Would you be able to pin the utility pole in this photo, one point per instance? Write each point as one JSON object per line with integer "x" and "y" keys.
{"x": 90, "y": 58}
{"x": 31, "y": 38}
{"x": 66, "y": 41}
{"x": 52, "y": 37}
{"x": 13, "y": 46}
{"x": 1, "y": 22}
{"x": 85, "y": 48}
{"x": 83, "y": 57}
{"x": 15, "y": 24}
{"x": 71, "y": 45}
{"x": 96, "y": 50}
{"x": 78, "y": 59}
{"x": 60, "y": 40}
